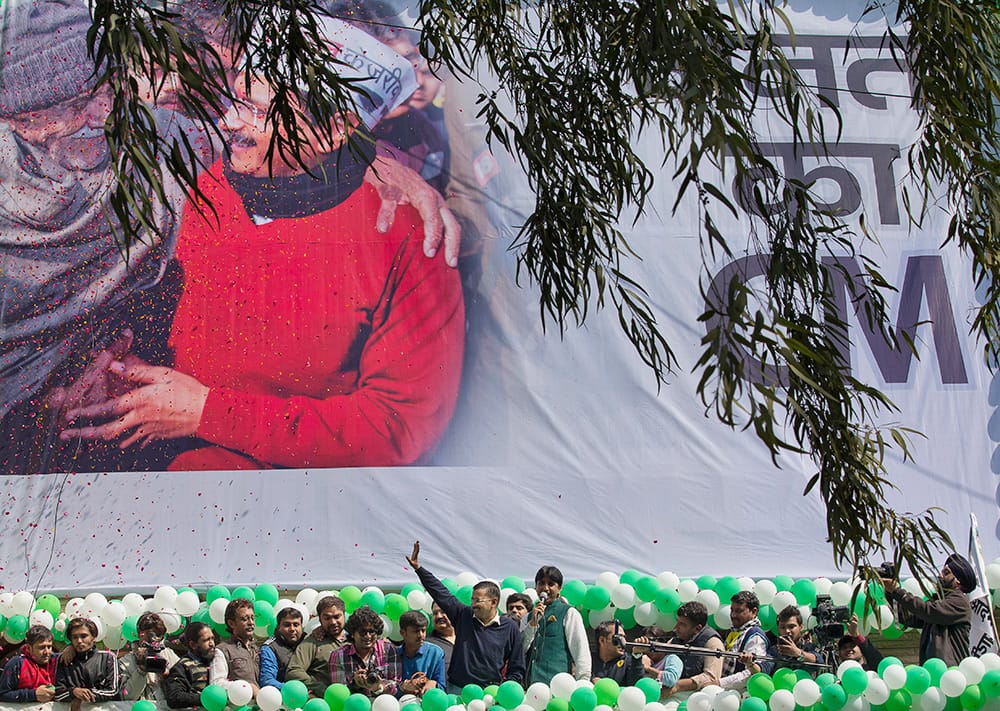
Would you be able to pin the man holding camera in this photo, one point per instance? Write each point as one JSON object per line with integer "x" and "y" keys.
{"x": 149, "y": 661}
{"x": 611, "y": 661}
{"x": 794, "y": 648}
{"x": 946, "y": 618}
{"x": 368, "y": 664}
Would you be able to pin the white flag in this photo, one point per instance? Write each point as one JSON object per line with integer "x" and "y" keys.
{"x": 983, "y": 637}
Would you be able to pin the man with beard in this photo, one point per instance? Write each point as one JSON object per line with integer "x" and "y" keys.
{"x": 442, "y": 634}
{"x": 310, "y": 663}
{"x": 946, "y": 618}
{"x": 188, "y": 677}
{"x": 746, "y": 637}
{"x": 30, "y": 676}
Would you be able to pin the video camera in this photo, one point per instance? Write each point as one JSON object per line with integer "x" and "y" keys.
{"x": 830, "y": 620}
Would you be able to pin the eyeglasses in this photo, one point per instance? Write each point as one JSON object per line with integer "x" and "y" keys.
{"x": 250, "y": 113}
{"x": 369, "y": 633}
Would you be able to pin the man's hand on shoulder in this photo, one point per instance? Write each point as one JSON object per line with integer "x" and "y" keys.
{"x": 414, "y": 558}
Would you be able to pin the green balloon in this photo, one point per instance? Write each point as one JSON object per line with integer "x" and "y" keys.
{"x": 410, "y": 587}
{"x": 972, "y": 698}
{"x": 395, "y": 605}
{"x": 263, "y": 613}
{"x": 58, "y": 635}
{"x": 555, "y": 704}
{"x": 583, "y": 699}
{"x": 451, "y": 584}
{"x": 411, "y": 707}
{"x": 464, "y": 594}
{"x": 471, "y": 692}
{"x": 335, "y": 696}
{"x": 574, "y": 591}
{"x": 3, "y": 622}
{"x": 316, "y": 705}
{"x": 50, "y": 603}
{"x": 626, "y": 615}
{"x": 17, "y": 628}
{"x": 893, "y": 631}
{"x": 768, "y": 617}
{"x": 833, "y": 696}
{"x": 760, "y": 686}
{"x": 141, "y": 705}
{"x": 782, "y": 582}
{"x": 351, "y": 595}
{"x": 899, "y": 700}
{"x": 629, "y": 577}
{"x": 859, "y": 605}
{"x": 650, "y": 687}
{"x": 667, "y": 601}
{"x": 876, "y": 592}
{"x": 607, "y": 691}
{"x": 886, "y": 663}
{"x": 267, "y": 593}
{"x": 510, "y": 695}
{"x": 935, "y": 667}
{"x": 597, "y": 598}
{"x": 294, "y": 694}
{"x": 784, "y": 679}
{"x": 186, "y": 589}
{"x": 217, "y": 591}
{"x": 804, "y": 591}
{"x": 646, "y": 588}
{"x": 990, "y": 683}
{"x": 854, "y": 681}
{"x": 432, "y": 700}
{"x": 825, "y": 679}
{"x": 513, "y": 582}
{"x": 491, "y": 690}
{"x": 706, "y": 582}
{"x": 214, "y": 698}
{"x": 244, "y": 592}
{"x": 129, "y": 631}
{"x": 375, "y": 599}
{"x": 753, "y": 704}
{"x": 726, "y": 587}
{"x": 918, "y": 679}
{"x": 358, "y": 702}
{"x": 454, "y": 700}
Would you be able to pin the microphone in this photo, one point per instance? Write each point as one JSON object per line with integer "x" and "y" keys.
{"x": 543, "y": 597}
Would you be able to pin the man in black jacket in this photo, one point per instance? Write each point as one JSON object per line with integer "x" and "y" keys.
{"x": 87, "y": 674}
{"x": 188, "y": 678}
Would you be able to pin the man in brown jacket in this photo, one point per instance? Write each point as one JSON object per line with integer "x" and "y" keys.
{"x": 946, "y": 618}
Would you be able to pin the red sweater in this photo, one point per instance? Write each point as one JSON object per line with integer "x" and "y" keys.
{"x": 324, "y": 343}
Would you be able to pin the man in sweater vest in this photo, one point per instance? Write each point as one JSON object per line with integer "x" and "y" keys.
{"x": 277, "y": 651}
{"x": 692, "y": 630}
{"x": 555, "y": 636}
{"x": 238, "y": 658}
{"x": 746, "y": 637}
{"x": 30, "y": 676}
{"x": 485, "y": 642}
{"x": 188, "y": 677}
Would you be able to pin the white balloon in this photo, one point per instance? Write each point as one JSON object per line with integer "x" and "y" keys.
{"x": 607, "y": 580}
{"x": 857, "y": 703}
{"x": 504, "y": 594}
{"x": 687, "y": 590}
{"x": 134, "y": 604}
{"x": 186, "y": 603}
{"x": 6, "y": 604}
{"x": 845, "y": 665}
{"x": 537, "y": 696}
{"x": 990, "y": 660}
{"x": 390, "y": 629}
{"x": 746, "y": 583}
{"x": 41, "y": 617}
{"x": 710, "y": 599}
{"x": 152, "y": 605}
{"x": 584, "y": 684}
{"x": 171, "y": 620}
{"x": 699, "y": 701}
{"x": 721, "y": 617}
{"x": 712, "y": 690}
{"x": 822, "y": 585}
{"x": 386, "y": 702}
{"x": 840, "y": 594}
{"x": 269, "y": 698}
{"x": 912, "y": 586}
{"x": 217, "y": 610}
{"x": 533, "y": 594}
{"x": 651, "y": 706}
{"x": 596, "y": 617}
{"x": 95, "y": 601}
{"x": 666, "y": 620}
{"x": 467, "y": 578}
{"x": 478, "y": 705}
{"x": 930, "y": 700}
{"x": 623, "y": 595}
{"x": 894, "y": 677}
{"x": 22, "y": 603}
{"x": 632, "y": 698}
{"x": 765, "y": 591}
{"x": 311, "y": 624}
{"x": 114, "y": 614}
{"x": 646, "y": 613}
{"x": 307, "y": 597}
{"x": 113, "y": 639}
{"x": 415, "y": 599}
{"x": 60, "y": 624}
{"x": 876, "y": 692}
{"x": 671, "y": 705}
{"x": 101, "y": 628}
{"x": 605, "y": 707}
{"x": 728, "y": 700}
{"x": 165, "y": 596}
{"x": 953, "y": 683}
{"x": 993, "y": 575}
{"x": 488, "y": 700}
{"x": 240, "y": 692}
{"x": 782, "y": 599}
{"x": 806, "y": 692}
{"x": 668, "y": 580}
{"x": 563, "y": 685}
{"x": 521, "y": 707}
{"x": 782, "y": 700}
{"x": 973, "y": 669}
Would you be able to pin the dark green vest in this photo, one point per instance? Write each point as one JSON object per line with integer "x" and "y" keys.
{"x": 549, "y": 653}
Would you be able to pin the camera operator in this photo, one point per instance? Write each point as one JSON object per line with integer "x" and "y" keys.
{"x": 611, "y": 661}
{"x": 368, "y": 664}
{"x": 149, "y": 661}
{"x": 856, "y": 647}
{"x": 946, "y": 618}
{"x": 793, "y": 647}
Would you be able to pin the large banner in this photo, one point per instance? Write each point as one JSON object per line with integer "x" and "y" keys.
{"x": 280, "y": 392}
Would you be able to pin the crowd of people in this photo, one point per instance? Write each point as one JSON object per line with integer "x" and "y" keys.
{"x": 467, "y": 644}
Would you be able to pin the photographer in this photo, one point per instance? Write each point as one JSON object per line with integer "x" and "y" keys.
{"x": 367, "y": 664}
{"x": 946, "y": 618}
{"x": 793, "y": 646}
{"x": 149, "y": 661}
{"x": 856, "y": 647}
{"x": 611, "y": 661}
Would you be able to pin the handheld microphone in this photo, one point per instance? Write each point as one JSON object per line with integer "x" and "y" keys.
{"x": 543, "y": 597}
